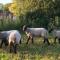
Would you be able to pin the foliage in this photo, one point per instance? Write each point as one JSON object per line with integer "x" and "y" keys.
{"x": 36, "y": 51}
{"x": 36, "y": 13}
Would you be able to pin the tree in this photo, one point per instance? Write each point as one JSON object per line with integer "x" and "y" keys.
{"x": 35, "y": 10}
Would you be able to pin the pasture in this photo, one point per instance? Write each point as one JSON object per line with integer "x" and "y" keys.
{"x": 36, "y": 51}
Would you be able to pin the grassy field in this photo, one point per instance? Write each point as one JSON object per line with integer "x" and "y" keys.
{"x": 36, "y": 51}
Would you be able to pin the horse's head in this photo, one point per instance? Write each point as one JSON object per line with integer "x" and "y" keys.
{"x": 24, "y": 28}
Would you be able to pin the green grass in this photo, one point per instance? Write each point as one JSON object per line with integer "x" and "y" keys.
{"x": 36, "y": 51}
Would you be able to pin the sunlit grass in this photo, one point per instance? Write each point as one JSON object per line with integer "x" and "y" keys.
{"x": 36, "y": 51}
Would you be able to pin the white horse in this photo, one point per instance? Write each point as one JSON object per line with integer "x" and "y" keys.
{"x": 4, "y": 37}
{"x": 56, "y": 34}
{"x": 31, "y": 32}
{"x": 14, "y": 39}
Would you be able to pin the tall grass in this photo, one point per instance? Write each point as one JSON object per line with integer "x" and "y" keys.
{"x": 36, "y": 51}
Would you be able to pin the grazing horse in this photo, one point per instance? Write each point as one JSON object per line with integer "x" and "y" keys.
{"x": 56, "y": 34}
{"x": 31, "y": 32}
{"x": 4, "y": 37}
{"x": 13, "y": 40}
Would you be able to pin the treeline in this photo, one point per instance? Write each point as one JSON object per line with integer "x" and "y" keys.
{"x": 37, "y": 13}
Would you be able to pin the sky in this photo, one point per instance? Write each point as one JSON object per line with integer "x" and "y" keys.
{"x": 5, "y": 1}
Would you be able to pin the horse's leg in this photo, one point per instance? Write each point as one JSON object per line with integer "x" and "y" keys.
{"x": 15, "y": 48}
{"x": 1, "y": 43}
{"x": 55, "y": 39}
{"x": 28, "y": 40}
{"x": 6, "y": 43}
{"x": 10, "y": 46}
{"x": 20, "y": 41}
{"x": 32, "y": 40}
{"x": 10, "y": 49}
{"x": 59, "y": 40}
{"x": 46, "y": 40}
